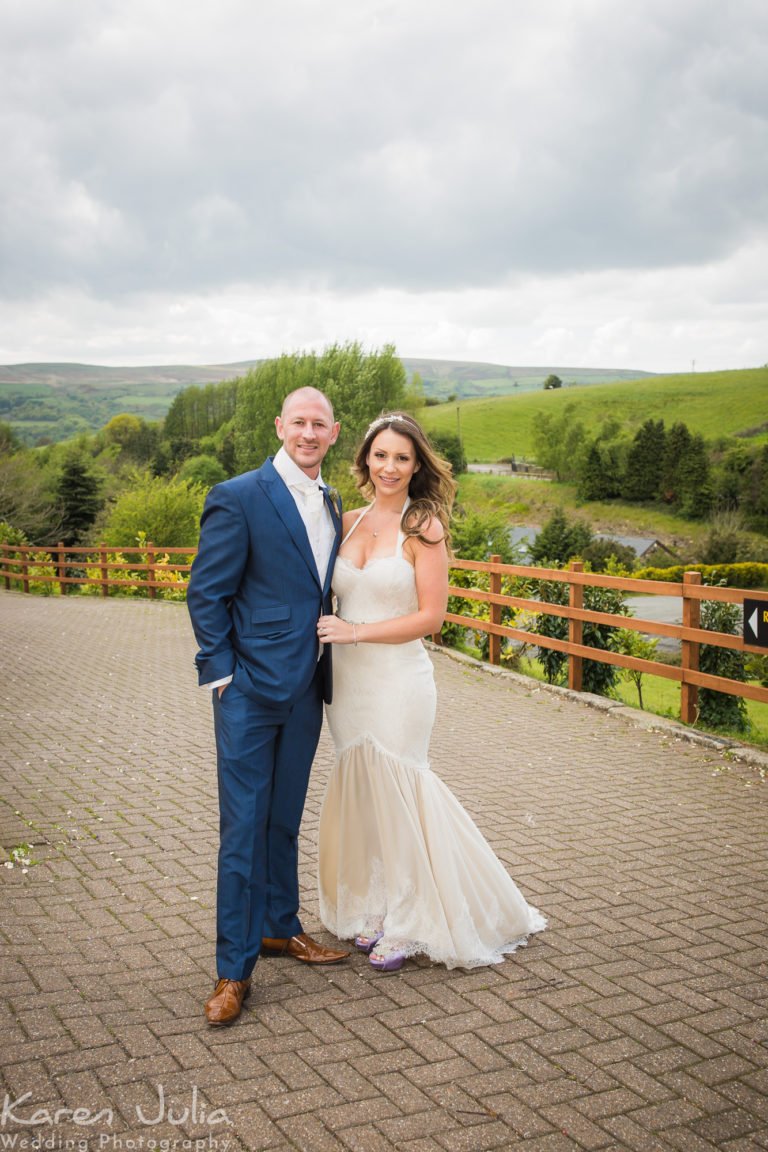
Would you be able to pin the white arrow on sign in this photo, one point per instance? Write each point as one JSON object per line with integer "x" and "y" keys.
{"x": 753, "y": 621}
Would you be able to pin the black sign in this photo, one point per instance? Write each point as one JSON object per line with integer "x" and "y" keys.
{"x": 756, "y": 623}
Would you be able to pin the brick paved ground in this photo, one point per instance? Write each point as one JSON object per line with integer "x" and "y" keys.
{"x": 637, "y": 1021}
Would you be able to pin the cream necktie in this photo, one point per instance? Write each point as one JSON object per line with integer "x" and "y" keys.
{"x": 316, "y": 524}
{"x": 313, "y": 499}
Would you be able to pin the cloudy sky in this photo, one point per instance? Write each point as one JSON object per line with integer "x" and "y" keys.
{"x": 527, "y": 182}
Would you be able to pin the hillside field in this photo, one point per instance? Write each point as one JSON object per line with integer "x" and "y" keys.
{"x": 713, "y": 403}
{"x": 59, "y": 401}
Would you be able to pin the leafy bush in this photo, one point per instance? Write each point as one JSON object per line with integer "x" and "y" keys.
{"x": 118, "y": 568}
{"x": 11, "y": 535}
{"x": 756, "y": 668}
{"x": 600, "y": 551}
{"x": 164, "y": 511}
{"x": 203, "y": 470}
{"x": 560, "y": 540}
{"x": 721, "y": 710}
{"x": 596, "y": 677}
{"x": 478, "y": 536}
{"x": 747, "y": 575}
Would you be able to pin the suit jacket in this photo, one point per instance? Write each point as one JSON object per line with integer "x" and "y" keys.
{"x": 254, "y": 593}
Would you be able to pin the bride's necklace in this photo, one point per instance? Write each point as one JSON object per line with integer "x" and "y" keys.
{"x": 375, "y": 531}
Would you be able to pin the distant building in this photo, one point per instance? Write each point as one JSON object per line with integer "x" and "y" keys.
{"x": 646, "y": 548}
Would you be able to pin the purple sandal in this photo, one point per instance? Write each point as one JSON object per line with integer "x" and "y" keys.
{"x": 392, "y": 962}
{"x": 368, "y": 943}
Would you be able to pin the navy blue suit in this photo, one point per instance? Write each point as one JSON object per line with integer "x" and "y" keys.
{"x": 254, "y": 598}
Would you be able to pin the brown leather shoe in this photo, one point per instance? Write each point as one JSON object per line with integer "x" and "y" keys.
{"x": 227, "y": 1000}
{"x": 302, "y": 948}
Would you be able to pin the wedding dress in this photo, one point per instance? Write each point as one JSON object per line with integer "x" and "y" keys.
{"x": 396, "y": 849}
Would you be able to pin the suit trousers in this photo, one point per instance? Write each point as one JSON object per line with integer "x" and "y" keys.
{"x": 264, "y": 756}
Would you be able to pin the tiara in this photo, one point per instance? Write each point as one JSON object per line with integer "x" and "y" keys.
{"x": 382, "y": 421}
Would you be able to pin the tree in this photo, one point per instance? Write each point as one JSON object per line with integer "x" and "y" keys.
{"x": 552, "y": 381}
{"x": 600, "y": 473}
{"x": 694, "y": 479}
{"x": 199, "y": 411}
{"x": 203, "y": 470}
{"x": 166, "y": 511}
{"x": 9, "y": 441}
{"x": 632, "y": 643}
{"x": 754, "y": 493}
{"x": 732, "y": 466}
{"x": 644, "y": 463}
{"x": 359, "y": 387}
{"x": 560, "y": 540}
{"x": 78, "y": 491}
{"x": 449, "y": 446}
{"x": 676, "y": 446}
{"x": 480, "y": 535}
{"x": 559, "y": 442}
{"x": 130, "y": 435}
{"x": 26, "y": 500}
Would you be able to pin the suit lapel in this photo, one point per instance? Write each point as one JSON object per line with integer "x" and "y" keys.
{"x": 336, "y": 518}
{"x": 285, "y": 506}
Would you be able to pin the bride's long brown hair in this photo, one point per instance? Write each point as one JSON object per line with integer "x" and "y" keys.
{"x": 432, "y": 488}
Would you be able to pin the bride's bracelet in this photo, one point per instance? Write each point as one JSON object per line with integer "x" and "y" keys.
{"x": 354, "y": 635}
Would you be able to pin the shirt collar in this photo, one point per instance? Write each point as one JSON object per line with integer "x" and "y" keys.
{"x": 290, "y": 472}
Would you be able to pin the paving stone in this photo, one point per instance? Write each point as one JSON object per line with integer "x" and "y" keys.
{"x": 639, "y": 1020}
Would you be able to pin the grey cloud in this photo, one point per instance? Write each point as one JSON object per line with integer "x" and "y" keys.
{"x": 412, "y": 144}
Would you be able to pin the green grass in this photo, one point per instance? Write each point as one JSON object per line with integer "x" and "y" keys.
{"x": 534, "y": 501}
{"x": 714, "y": 404}
{"x": 662, "y": 698}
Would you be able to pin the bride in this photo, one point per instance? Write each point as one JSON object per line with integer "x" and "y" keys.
{"x": 403, "y": 869}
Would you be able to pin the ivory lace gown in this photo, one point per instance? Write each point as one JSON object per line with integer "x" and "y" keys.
{"x": 395, "y": 846}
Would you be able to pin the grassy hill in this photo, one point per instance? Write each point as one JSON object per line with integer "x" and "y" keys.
{"x": 713, "y": 403}
{"x": 464, "y": 379}
{"x": 494, "y": 407}
{"x": 59, "y": 401}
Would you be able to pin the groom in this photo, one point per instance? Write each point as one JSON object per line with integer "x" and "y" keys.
{"x": 259, "y": 583}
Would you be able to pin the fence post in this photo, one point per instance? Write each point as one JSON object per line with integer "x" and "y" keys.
{"x": 151, "y": 570}
{"x": 24, "y": 568}
{"x": 104, "y": 569}
{"x": 61, "y": 568}
{"x": 575, "y": 630}
{"x": 6, "y": 563}
{"x": 494, "y": 646}
{"x": 689, "y": 693}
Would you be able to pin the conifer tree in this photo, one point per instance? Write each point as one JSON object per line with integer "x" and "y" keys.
{"x": 78, "y": 492}
{"x": 644, "y": 462}
{"x": 560, "y": 539}
{"x": 695, "y": 484}
{"x": 754, "y": 493}
{"x": 676, "y": 446}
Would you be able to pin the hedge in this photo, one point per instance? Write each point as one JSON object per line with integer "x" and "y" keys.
{"x": 732, "y": 575}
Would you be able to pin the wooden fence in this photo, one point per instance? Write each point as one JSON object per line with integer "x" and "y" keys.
{"x": 148, "y": 567}
{"x": 156, "y": 568}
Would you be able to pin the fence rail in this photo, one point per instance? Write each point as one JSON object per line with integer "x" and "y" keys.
{"x": 153, "y": 568}
{"x": 65, "y": 566}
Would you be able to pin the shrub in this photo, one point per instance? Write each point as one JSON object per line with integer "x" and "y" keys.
{"x": 721, "y": 710}
{"x": 746, "y": 575}
{"x": 597, "y": 677}
{"x": 167, "y": 512}
{"x": 203, "y": 470}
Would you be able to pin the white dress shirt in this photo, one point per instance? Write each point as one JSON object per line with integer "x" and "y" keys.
{"x": 314, "y": 511}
